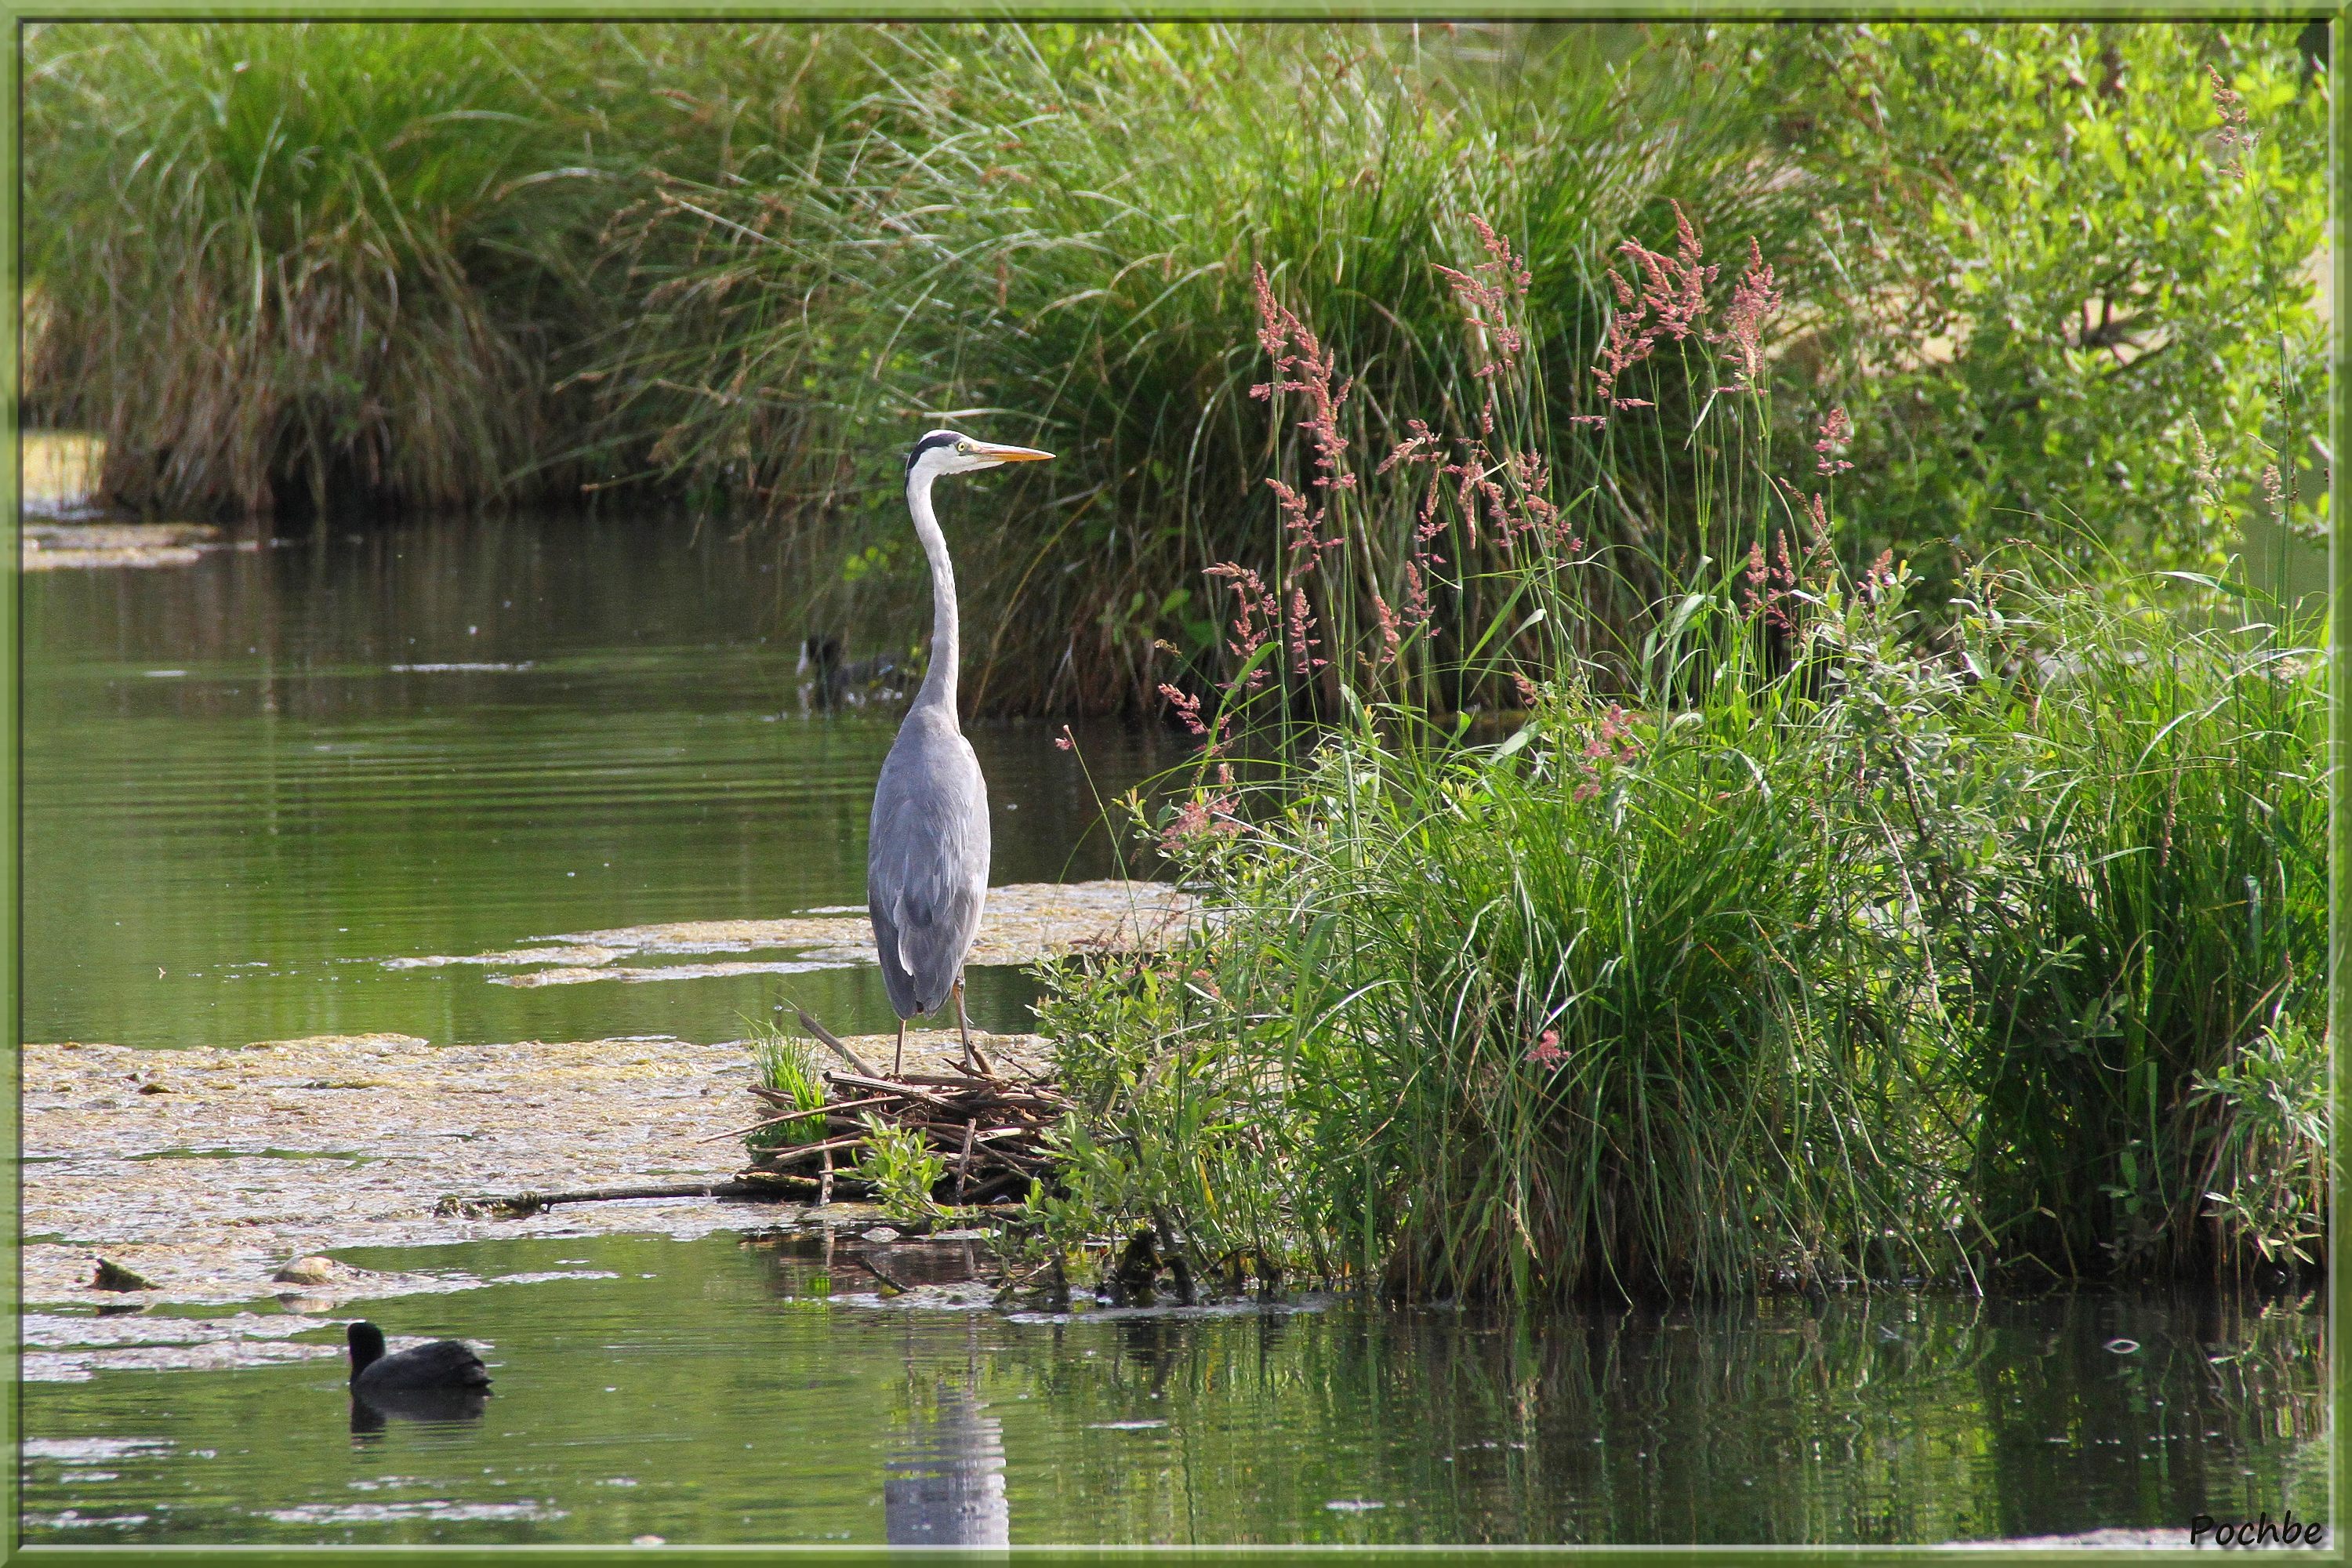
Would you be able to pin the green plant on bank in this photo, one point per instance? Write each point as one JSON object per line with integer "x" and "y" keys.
{"x": 2049, "y": 288}
{"x": 1056, "y": 225}
{"x": 2266, "y": 1177}
{"x": 2158, "y": 904}
{"x": 281, "y": 265}
{"x": 1808, "y": 937}
{"x": 788, "y": 1065}
{"x": 902, "y": 1171}
{"x": 271, "y": 257}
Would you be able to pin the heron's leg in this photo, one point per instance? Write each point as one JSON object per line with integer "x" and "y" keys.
{"x": 971, "y": 1057}
{"x": 898, "y": 1062}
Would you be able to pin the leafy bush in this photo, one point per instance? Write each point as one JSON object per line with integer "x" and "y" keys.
{"x": 902, "y": 1171}
{"x": 2077, "y": 263}
{"x": 2267, "y": 1166}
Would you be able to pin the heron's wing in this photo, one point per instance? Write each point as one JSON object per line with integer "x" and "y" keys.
{"x": 927, "y": 865}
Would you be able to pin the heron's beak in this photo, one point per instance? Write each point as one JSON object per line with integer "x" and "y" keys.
{"x": 1013, "y": 454}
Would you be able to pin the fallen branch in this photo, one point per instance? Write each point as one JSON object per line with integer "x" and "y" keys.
{"x": 907, "y": 1091}
{"x": 831, "y": 1113}
{"x": 867, "y": 1264}
{"x": 834, "y": 1040}
{"x": 523, "y": 1205}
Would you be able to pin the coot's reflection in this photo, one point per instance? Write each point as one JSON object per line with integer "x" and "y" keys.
{"x": 372, "y": 1411}
{"x": 943, "y": 1479}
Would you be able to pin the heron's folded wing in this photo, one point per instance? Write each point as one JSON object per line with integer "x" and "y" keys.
{"x": 931, "y": 882}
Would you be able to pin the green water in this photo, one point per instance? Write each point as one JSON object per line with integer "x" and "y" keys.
{"x": 237, "y": 804}
{"x": 237, "y": 809}
{"x": 711, "y": 1392}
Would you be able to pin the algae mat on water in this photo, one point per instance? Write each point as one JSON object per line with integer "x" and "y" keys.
{"x": 207, "y": 1170}
{"x": 1023, "y": 923}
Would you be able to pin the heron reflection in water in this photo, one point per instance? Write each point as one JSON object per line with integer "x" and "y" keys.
{"x": 943, "y": 1476}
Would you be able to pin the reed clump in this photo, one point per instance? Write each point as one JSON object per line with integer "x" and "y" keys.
{"x": 286, "y": 265}
{"x": 276, "y": 259}
{"x": 1804, "y": 936}
{"x": 1056, "y": 227}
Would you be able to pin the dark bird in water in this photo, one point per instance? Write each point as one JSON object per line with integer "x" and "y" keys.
{"x": 927, "y": 853}
{"x": 834, "y": 681}
{"x": 443, "y": 1364}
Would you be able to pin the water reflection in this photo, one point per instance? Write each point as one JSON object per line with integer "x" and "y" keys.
{"x": 943, "y": 1481}
{"x": 1882, "y": 1419}
{"x": 249, "y": 782}
{"x": 372, "y": 1412}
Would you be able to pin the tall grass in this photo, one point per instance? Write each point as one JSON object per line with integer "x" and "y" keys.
{"x": 1798, "y": 935}
{"x": 1050, "y": 231}
{"x": 286, "y": 263}
{"x": 2157, "y": 909}
{"x": 272, "y": 257}
{"x": 281, "y": 266}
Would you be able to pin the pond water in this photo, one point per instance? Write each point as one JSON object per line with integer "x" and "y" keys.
{"x": 741, "y": 1389}
{"x": 252, "y": 782}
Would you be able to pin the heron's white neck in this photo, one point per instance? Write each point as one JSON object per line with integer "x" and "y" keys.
{"x": 939, "y": 688}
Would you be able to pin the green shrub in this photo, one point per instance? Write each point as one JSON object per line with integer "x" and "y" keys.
{"x": 2266, "y": 1175}
{"x": 902, "y": 1170}
{"x": 2074, "y": 274}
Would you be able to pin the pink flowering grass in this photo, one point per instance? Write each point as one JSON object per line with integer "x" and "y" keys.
{"x": 1778, "y": 936}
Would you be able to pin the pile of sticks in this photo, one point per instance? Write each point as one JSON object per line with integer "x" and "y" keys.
{"x": 987, "y": 1130}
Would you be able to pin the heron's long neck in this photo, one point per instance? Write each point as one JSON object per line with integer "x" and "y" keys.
{"x": 938, "y": 689}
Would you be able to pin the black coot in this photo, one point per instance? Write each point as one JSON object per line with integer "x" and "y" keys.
{"x": 443, "y": 1365}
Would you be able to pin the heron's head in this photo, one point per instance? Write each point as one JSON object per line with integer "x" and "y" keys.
{"x": 949, "y": 452}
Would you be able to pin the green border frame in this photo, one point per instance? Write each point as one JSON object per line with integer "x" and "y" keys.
{"x": 2339, "y": 632}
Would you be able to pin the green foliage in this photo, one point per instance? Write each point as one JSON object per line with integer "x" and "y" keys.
{"x": 744, "y": 263}
{"x": 788, "y": 1065}
{"x": 2267, "y": 1166}
{"x": 902, "y": 1170}
{"x": 1052, "y": 229}
{"x": 1902, "y": 962}
{"x": 2060, "y": 250}
{"x": 276, "y": 263}
{"x": 2149, "y": 892}
{"x": 1846, "y": 940}
{"x": 270, "y": 255}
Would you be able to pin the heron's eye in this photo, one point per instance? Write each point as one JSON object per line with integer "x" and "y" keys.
{"x": 963, "y": 445}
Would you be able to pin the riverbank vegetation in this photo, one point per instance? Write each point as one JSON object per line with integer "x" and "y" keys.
{"x": 1816, "y": 929}
{"x": 1740, "y": 606}
{"x": 281, "y": 268}
{"x": 2004, "y": 956}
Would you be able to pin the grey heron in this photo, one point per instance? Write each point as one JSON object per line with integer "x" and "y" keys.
{"x": 926, "y": 852}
